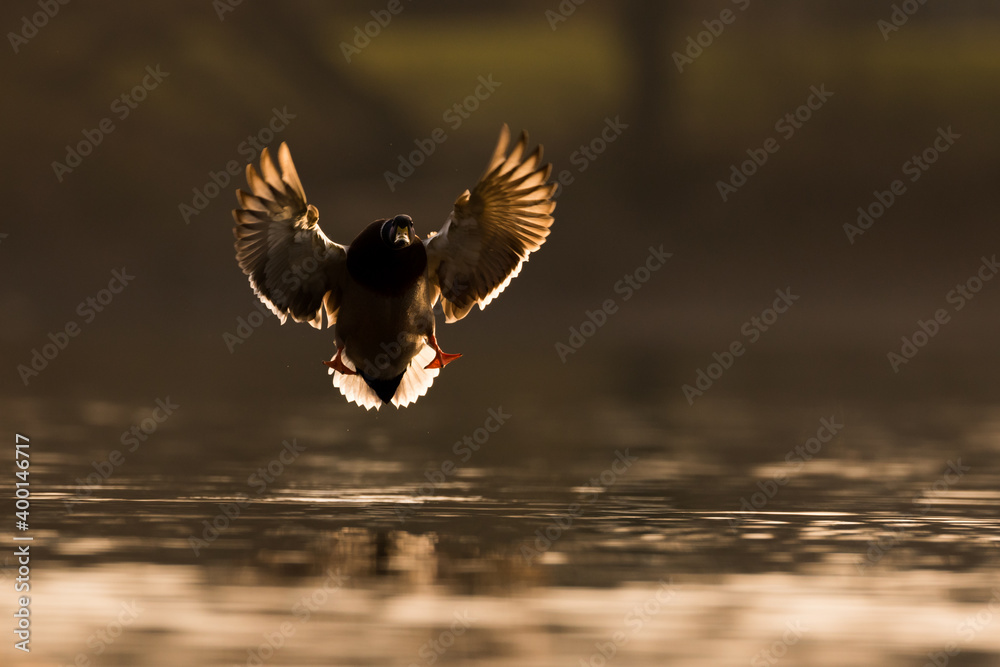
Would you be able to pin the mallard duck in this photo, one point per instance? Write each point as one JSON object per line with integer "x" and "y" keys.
{"x": 381, "y": 289}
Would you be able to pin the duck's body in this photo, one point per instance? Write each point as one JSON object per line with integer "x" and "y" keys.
{"x": 380, "y": 334}
{"x": 383, "y": 324}
{"x": 386, "y": 307}
{"x": 381, "y": 290}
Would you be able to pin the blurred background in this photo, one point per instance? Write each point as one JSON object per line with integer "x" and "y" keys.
{"x": 744, "y": 519}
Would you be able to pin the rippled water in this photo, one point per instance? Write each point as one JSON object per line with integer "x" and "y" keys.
{"x": 319, "y": 535}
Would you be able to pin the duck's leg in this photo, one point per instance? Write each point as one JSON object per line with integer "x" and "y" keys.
{"x": 441, "y": 359}
{"x": 338, "y": 365}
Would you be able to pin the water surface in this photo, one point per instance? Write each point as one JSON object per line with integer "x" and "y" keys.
{"x": 640, "y": 536}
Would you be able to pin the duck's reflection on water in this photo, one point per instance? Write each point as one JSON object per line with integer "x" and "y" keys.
{"x": 347, "y": 583}
{"x": 355, "y": 558}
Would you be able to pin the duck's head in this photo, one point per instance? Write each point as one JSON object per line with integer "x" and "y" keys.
{"x": 387, "y": 256}
{"x": 398, "y": 232}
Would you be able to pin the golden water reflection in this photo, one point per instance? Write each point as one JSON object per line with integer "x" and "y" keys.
{"x": 349, "y": 558}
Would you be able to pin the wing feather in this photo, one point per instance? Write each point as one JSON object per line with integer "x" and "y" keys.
{"x": 492, "y": 229}
{"x": 292, "y": 266}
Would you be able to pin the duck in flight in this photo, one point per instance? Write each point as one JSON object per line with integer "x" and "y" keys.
{"x": 381, "y": 289}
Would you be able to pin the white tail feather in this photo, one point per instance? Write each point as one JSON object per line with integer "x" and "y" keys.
{"x": 415, "y": 383}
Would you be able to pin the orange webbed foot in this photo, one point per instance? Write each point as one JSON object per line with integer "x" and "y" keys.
{"x": 338, "y": 365}
{"x": 441, "y": 358}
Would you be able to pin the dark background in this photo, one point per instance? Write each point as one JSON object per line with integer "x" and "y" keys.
{"x": 809, "y": 551}
{"x": 656, "y": 184}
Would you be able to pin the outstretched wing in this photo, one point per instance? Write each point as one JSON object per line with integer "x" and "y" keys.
{"x": 293, "y": 267}
{"x": 493, "y": 229}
